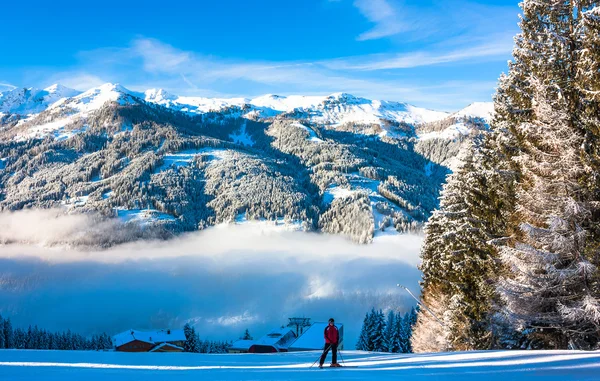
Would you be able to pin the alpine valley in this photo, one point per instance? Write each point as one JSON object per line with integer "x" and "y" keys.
{"x": 162, "y": 164}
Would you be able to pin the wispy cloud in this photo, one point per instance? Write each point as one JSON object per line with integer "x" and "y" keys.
{"x": 386, "y": 18}
{"x": 7, "y": 86}
{"x": 148, "y": 62}
{"x": 433, "y": 20}
{"x": 489, "y": 50}
{"x": 77, "y": 80}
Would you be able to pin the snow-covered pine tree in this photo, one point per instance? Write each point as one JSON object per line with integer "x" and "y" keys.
{"x": 192, "y": 341}
{"x": 428, "y": 334}
{"x": 408, "y": 322}
{"x": 363, "y": 343}
{"x": 2, "y": 339}
{"x": 548, "y": 290}
{"x": 377, "y": 334}
{"x": 402, "y": 336}
{"x": 397, "y": 334}
{"x": 247, "y": 335}
{"x": 8, "y": 334}
{"x": 551, "y": 258}
{"x": 588, "y": 86}
{"x": 390, "y": 333}
{"x": 459, "y": 263}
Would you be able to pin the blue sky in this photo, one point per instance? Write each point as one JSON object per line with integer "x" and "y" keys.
{"x": 442, "y": 54}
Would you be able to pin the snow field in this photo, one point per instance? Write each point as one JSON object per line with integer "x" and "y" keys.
{"x": 488, "y": 365}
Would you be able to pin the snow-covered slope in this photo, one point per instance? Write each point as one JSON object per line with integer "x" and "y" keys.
{"x": 32, "y": 101}
{"x": 484, "y": 110}
{"x": 490, "y": 365}
{"x": 96, "y": 97}
{"x": 334, "y": 109}
{"x": 57, "y": 112}
{"x": 460, "y": 123}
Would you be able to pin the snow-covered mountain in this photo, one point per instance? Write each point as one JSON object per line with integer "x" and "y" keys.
{"x": 31, "y": 100}
{"x": 336, "y": 163}
{"x": 332, "y": 110}
{"x": 484, "y": 110}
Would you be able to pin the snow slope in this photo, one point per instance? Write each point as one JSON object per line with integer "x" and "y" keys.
{"x": 32, "y": 101}
{"x": 460, "y": 122}
{"x": 483, "y": 110}
{"x": 63, "y": 105}
{"x": 338, "y": 108}
{"x": 65, "y": 110}
{"x": 489, "y": 366}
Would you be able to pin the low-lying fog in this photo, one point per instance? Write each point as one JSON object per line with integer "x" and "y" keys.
{"x": 224, "y": 279}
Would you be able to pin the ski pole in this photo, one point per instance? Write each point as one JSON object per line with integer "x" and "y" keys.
{"x": 422, "y": 305}
{"x": 341, "y": 357}
{"x": 325, "y": 350}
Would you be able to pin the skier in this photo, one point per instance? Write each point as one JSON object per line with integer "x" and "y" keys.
{"x": 332, "y": 337}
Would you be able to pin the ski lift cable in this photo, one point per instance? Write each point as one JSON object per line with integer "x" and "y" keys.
{"x": 422, "y": 305}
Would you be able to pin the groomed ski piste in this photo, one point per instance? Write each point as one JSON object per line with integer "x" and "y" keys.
{"x": 484, "y": 365}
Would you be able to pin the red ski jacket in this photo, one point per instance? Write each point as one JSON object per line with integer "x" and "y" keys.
{"x": 332, "y": 336}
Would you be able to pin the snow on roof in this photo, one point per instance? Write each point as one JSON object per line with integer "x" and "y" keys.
{"x": 313, "y": 337}
{"x": 152, "y": 337}
{"x": 242, "y": 344}
{"x": 160, "y": 346}
{"x": 278, "y": 338}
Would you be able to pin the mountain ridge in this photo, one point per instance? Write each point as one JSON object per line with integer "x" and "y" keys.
{"x": 346, "y": 165}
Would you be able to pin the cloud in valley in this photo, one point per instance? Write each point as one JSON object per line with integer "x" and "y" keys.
{"x": 224, "y": 279}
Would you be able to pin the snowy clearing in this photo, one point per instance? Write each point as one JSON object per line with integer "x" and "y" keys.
{"x": 451, "y": 132}
{"x": 142, "y": 216}
{"x": 490, "y": 365}
{"x": 186, "y": 157}
{"x": 242, "y": 137}
{"x": 312, "y": 135}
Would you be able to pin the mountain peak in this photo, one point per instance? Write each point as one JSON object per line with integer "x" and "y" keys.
{"x": 54, "y": 88}
{"x": 483, "y": 110}
{"x": 114, "y": 87}
{"x": 58, "y": 91}
{"x": 158, "y": 95}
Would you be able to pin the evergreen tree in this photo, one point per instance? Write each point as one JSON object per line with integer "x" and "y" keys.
{"x": 550, "y": 287}
{"x": 8, "y": 334}
{"x": 406, "y": 325}
{"x": 377, "y": 333}
{"x": 528, "y": 198}
{"x": 391, "y": 333}
{"x": 588, "y": 86}
{"x": 192, "y": 341}
{"x": 458, "y": 260}
{"x": 2, "y": 339}
{"x": 247, "y": 335}
{"x": 363, "y": 343}
{"x": 402, "y": 336}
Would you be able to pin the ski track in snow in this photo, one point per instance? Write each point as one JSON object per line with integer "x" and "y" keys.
{"x": 491, "y": 365}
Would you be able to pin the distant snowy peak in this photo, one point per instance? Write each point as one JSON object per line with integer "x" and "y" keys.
{"x": 473, "y": 118}
{"x": 342, "y": 108}
{"x": 334, "y": 109}
{"x": 32, "y": 101}
{"x": 159, "y": 96}
{"x": 96, "y": 97}
{"x": 484, "y": 110}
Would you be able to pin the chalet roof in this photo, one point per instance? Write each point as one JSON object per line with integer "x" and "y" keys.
{"x": 152, "y": 337}
{"x": 163, "y": 345}
{"x": 242, "y": 345}
{"x": 278, "y": 338}
{"x": 313, "y": 337}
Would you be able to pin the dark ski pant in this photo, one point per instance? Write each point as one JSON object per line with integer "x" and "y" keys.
{"x": 333, "y": 348}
